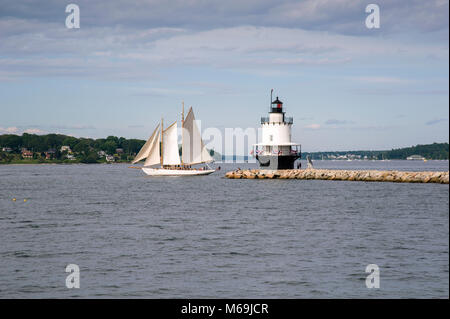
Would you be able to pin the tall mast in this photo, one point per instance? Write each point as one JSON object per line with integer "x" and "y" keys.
{"x": 190, "y": 109}
{"x": 271, "y": 100}
{"x": 162, "y": 148}
{"x": 182, "y": 131}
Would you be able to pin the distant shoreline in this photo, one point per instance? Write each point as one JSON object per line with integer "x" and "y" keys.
{"x": 24, "y": 163}
{"x": 217, "y": 162}
{"x": 64, "y": 149}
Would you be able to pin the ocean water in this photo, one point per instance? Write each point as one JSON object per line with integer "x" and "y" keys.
{"x": 134, "y": 236}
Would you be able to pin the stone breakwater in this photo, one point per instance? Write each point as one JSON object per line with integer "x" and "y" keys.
{"x": 343, "y": 175}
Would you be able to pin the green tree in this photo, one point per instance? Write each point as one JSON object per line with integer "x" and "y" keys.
{"x": 82, "y": 146}
{"x": 70, "y": 141}
{"x": 90, "y": 158}
{"x": 110, "y": 146}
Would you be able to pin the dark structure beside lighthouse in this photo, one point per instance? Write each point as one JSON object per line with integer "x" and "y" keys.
{"x": 276, "y": 150}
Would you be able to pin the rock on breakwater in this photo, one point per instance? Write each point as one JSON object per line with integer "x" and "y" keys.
{"x": 343, "y": 175}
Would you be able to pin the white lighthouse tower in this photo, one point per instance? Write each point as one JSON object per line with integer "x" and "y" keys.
{"x": 276, "y": 150}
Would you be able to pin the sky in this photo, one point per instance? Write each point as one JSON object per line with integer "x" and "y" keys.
{"x": 132, "y": 62}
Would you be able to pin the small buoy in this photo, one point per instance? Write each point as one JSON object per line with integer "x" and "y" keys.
{"x": 25, "y": 200}
{"x": 14, "y": 199}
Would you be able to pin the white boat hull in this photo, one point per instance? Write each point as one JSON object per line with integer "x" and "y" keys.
{"x": 175, "y": 172}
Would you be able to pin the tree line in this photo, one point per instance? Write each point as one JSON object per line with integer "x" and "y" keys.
{"x": 436, "y": 151}
{"x": 86, "y": 149}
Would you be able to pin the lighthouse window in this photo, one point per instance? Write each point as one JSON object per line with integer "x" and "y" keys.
{"x": 271, "y": 138}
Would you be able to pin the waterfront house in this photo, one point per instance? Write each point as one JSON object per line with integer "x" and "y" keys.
{"x": 415, "y": 158}
{"x": 50, "y": 153}
{"x": 27, "y": 154}
{"x": 65, "y": 148}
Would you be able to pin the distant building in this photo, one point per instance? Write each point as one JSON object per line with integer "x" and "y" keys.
{"x": 101, "y": 153}
{"x": 119, "y": 150}
{"x": 65, "y": 148}
{"x": 6, "y": 149}
{"x": 70, "y": 157}
{"x": 27, "y": 154}
{"x": 415, "y": 158}
{"x": 50, "y": 153}
{"x": 109, "y": 158}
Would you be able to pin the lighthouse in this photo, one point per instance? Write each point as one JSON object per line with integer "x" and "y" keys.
{"x": 276, "y": 150}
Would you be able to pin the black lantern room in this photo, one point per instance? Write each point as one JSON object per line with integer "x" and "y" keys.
{"x": 277, "y": 106}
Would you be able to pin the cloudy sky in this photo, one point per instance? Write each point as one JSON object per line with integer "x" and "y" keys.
{"x": 130, "y": 62}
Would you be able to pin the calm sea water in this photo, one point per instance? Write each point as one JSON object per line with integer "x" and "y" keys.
{"x": 209, "y": 237}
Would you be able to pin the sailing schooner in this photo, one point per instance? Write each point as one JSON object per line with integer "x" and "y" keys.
{"x": 162, "y": 148}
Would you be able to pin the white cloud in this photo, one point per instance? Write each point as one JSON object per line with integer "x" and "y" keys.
{"x": 19, "y": 131}
{"x": 437, "y": 121}
{"x": 313, "y": 126}
{"x": 340, "y": 16}
{"x": 9, "y": 130}
{"x": 338, "y": 122}
{"x": 34, "y": 131}
{"x": 122, "y": 53}
{"x": 384, "y": 80}
{"x": 162, "y": 92}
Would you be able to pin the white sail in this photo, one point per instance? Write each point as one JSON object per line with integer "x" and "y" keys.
{"x": 154, "y": 156}
{"x": 171, "y": 156}
{"x": 194, "y": 151}
{"x": 145, "y": 150}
